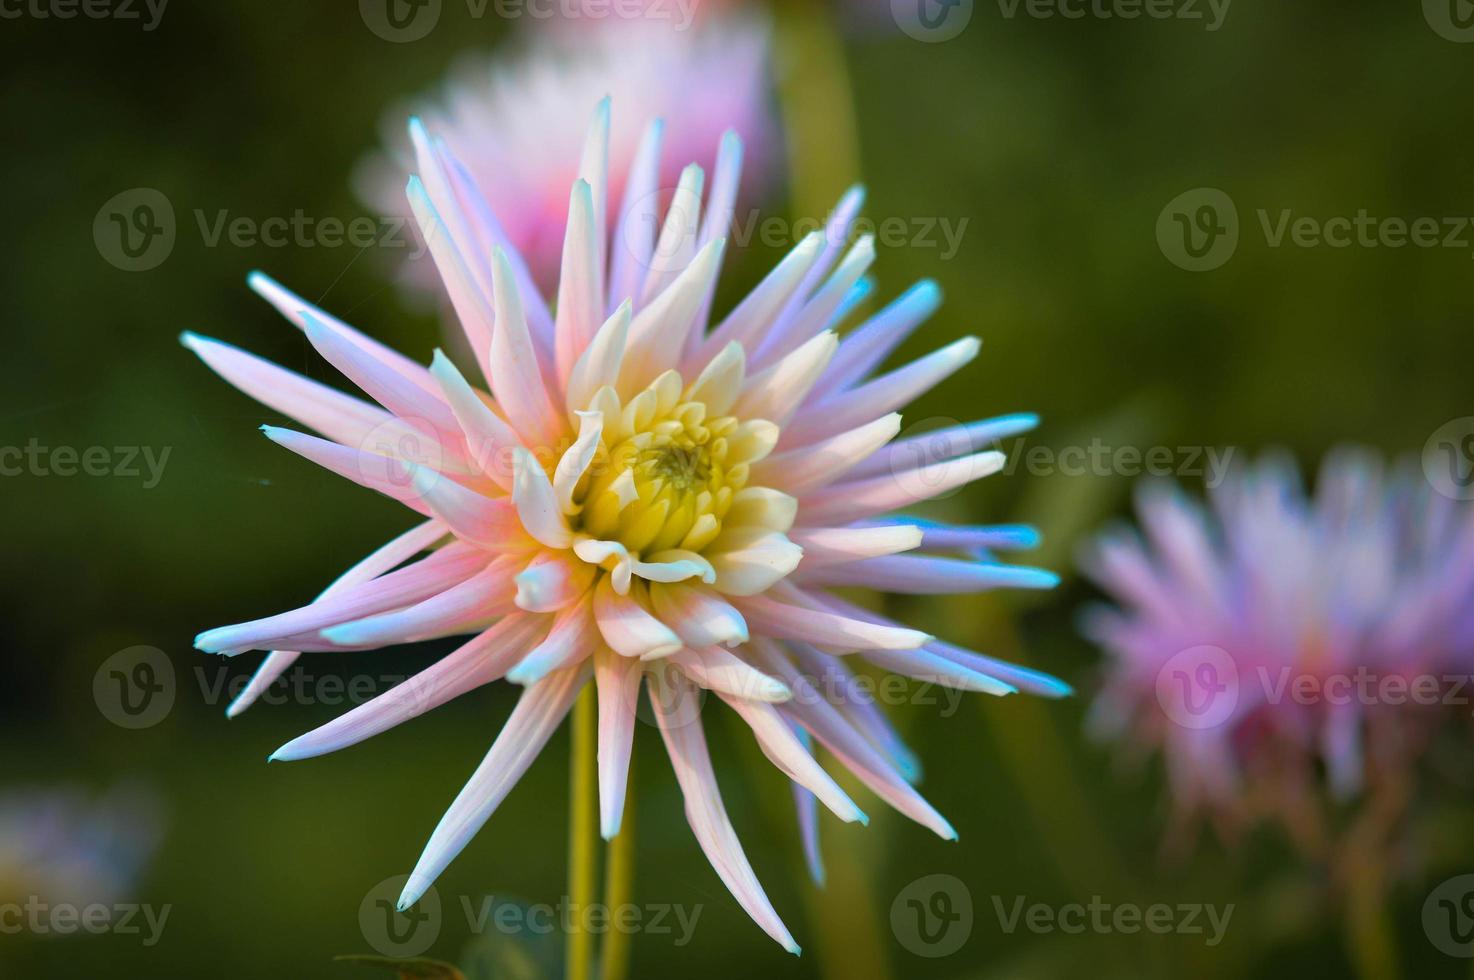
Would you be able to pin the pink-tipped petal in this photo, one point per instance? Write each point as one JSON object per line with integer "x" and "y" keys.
{"x": 618, "y": 679}
{"x": 840, "y": 545}
{"x": 627, "y": 627}
{"x": 769, "y": 616}
{"x": 572, "y": 639}
{"x": 686, "y": 744}
{"x": 841, "y": 503}
{"x": 537, "y": 715}
{"x": 776, "y": 738}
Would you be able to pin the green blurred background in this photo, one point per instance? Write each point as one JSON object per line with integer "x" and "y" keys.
{"x": 1059, "y": 141}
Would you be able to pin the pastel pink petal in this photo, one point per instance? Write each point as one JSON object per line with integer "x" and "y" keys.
{"x": 475, "y": 663}
{"x": 572, "y": 640}
{"x": 686, "y": 744}
{"x": 419, "y": 408}
{"x": 858, "y": 706}
{"x": 776, "y": 738}
{"x": 700, "y": 616}
{"x": 863, "y": 350}
{"x": 776, "y": 392}
{"x": 825, "y": 723}
{"x": 537, "y": 715}
{"x": 720, "y": 206}
{"x": 836, "y": 233}
{"x": 537, "y": 504}
{"x": 837, "y": 413}
{"x": 634, "y": 233}
{"x": 820, "y": 308}
{"x": 473, "y": 602}
{"x": 618, "y": 679}
{"x": 659, "y": 329}
{"x": 429, "y": 576}
{"x": 806, "y": 807}
{"x": 299, "y": 312}
{"x": 552, "y": 581}
{"x": 580, "y": 298}
{"x": 1025, "y": 679}
{"x": 768, "y": 616}
{"x": 752, "y": 316}
{"x": 627, "y": 627}
{"x": 397, "y": 551}
{"x": 926, "y": 574}
{"x": 840, "y": 545}
{"x": 841, "y": 503}
{"x": 338, "y": 416}
{"x": 800, "y": 471}
{"x": 391, "y": 476}
{"x": 490, "y": 441}
{"x": 491, "y": 236}
{"x": 468, "y": 297}
{"x": 676, "y": 243}
{"x": 717, "y": 669}
{"x": 516, "y": 377}
{"x": 492, "y": 523}
{"x": 916, "y": 452}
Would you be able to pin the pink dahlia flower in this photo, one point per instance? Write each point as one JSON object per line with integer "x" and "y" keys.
{"x": 1275, "y": 633}
{"x": 516, "y": 122}
{"x": 638, "y": 499}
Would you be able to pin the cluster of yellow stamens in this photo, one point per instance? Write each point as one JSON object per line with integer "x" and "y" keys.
{"x": 665, "y": 473}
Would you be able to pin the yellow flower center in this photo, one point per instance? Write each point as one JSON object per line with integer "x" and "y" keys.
{"x": 667, "y": 485}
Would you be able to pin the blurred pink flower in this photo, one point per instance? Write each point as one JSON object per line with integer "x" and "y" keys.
{"x": 638, "y": 500}
{"x": 1275, "y": 632}
{"x": 514, "y": 120}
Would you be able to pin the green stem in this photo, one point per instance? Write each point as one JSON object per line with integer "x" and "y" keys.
{"x": 583, "y": 833}
{"x": 1368, "y": 926}
{"x": 619, "y": 873}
